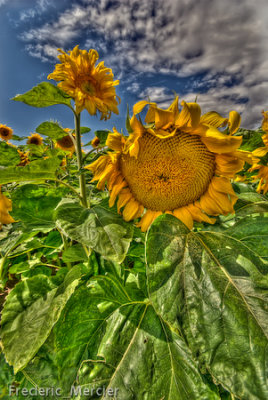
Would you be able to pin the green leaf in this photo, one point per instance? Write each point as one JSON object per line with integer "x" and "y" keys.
{"x": 217, "y": 288}
{"x": 84, "y": 129}
{"x": 74, "y": 253}
{"x": 253, "y": 232}
{"x": 9, "y": 155}
{"x": 107, "y": 338}
{"x": 102, "y": 135}
{"x": 52, "y": 130}
{"x": 6, "y": 378}
{"x": 31, "y": 310}
{"x": 128, "y": 127}
{"x": 18, "y": 138}
{"x": 35, "y": 171}
{"x": 99, "y": 228}
{"x": 44, "y": 95}
{"x": 34, "y": 205}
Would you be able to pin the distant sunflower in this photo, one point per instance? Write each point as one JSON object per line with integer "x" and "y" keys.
{"x": 66, "y": 143}
{"x": 95, "y": 142}
{"x": 24, "y": 160}
{"x": 179, "y": 163}
{"x": 5, "y": 207}
{"x": 261, "y": 160}
{"x": 92, "y": 87}
{"x": 35, "y": 139}
{"x": 5, "y": 132}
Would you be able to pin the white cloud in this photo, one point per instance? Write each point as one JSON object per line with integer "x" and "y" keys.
{"x": 226, "y": 41}
{"x": 30, "y": 13}
{"x": 2, "y": 2}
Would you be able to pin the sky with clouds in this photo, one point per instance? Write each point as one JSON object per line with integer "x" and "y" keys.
{"x": 213, "y": 49}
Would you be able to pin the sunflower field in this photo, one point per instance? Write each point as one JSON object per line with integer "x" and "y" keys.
{"x": 134, "y": 266}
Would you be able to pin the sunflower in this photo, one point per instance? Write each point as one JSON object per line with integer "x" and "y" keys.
{"x": 92, "y": 87}
{"x": 5, "y": 207}
{"x": 179, "y": 163}
{"x": 5, "y": 132}
{"x": 260, "y": 163}
{"x": 95, "y": 142}
{"x": 66, "y": 143}
{"x": 35, "y": 139}
{"x": 24, "y": 160}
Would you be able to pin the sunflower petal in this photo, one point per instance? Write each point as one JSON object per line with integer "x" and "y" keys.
{"x": 185, "y": 216}
{"x": 234, "y": 121}
{"x": 212, "y": 118}
{"x": 189, "y": 115}
{"x": 148, "y": 219}
{"x": 217, "y": 142}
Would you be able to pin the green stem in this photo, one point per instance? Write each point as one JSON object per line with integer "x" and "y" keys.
{"x": 82, "y": 180}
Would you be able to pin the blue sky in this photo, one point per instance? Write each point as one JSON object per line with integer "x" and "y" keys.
{"x": 215, "y": 49}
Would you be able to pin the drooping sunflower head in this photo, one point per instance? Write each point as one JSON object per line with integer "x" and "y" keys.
{"x": 5, "y": 132}
{"x": 5, "y": 207}
{"x": 35, "y": 139}
{"x": 91, "y": 86}
{"x": 66, "y": 143}
{"x": 179, "y": 162}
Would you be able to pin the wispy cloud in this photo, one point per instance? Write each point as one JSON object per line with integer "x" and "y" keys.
{"x": 225, "y": 42}
{"x": 40, "y": 7}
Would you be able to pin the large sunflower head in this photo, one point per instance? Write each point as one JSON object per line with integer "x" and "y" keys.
{"x": 90, "y": 85}
{"x": 35, "y": 139}
{"x": 260, "y": 158}
{"x": 179, "y": 162}
{"x": 5, "y": 207}
{"x": 5, "y": 132}
{"x": 66, "y": 143}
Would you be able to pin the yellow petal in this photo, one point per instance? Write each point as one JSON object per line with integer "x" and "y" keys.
{"x": 138, "y": 107}
{"x": 260, "y": 152}
{"x": 198, "y": 214}
{"x": 221, "y": 199}
{"x": 189, "y": 115}
{"x": 234, "y": 121}
{"x": 217, "y": 142}
{"x": 214, "y": 119}
{"x": 208, "y": 205}
{"x": 265, "y": 121}
{"x": 115, "y": 141}
{"x": 148, "y": 219}
{"x": 136, "y": 126}
{"x": 124, "y": 196}
{"x": 119, "y": 184}
{"x": 185, "y": 216}
{"x": 265, "y": 137}
{"x": 228, "y": 165}
{"x": 131, "y": 210}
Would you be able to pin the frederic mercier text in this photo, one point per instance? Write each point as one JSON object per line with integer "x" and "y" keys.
{"x": 52, "y": 391}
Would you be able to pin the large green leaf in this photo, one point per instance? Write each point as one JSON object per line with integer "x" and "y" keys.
{"x": 106, "y": 337}
{"x": 8, "y": 155}
{"x": 34, "y": 205}
{"x": 52, "y": 130}
{"x": 31, "y": 310}
{"x": 100, "y": 228}
{"x": 44, "y": 95}
{"x": 35, "y": 171}
{"x": 217, "y": 287}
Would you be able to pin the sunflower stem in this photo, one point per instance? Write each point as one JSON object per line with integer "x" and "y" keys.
{"x": 82, "y": 180}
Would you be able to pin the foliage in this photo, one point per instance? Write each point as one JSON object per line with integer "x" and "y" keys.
{"x": 89, "y": 301}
